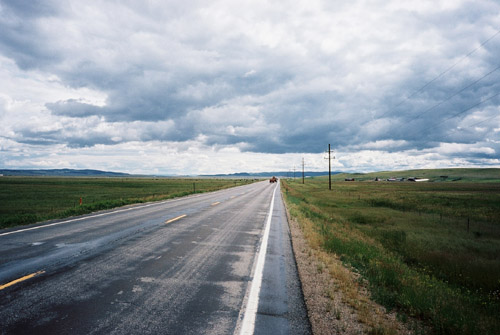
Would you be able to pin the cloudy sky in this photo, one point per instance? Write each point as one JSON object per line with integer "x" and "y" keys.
{"x": 222, "y": 86}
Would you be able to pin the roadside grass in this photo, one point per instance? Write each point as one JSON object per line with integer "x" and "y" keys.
{"x": 25, "y": 200}
{"x": 430, "y": 251}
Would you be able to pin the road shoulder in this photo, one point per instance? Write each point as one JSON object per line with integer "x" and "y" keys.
{"x": 337, "y": 301}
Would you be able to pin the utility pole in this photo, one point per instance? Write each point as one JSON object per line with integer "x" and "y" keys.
{"x": 330, "y": 167}
{"x": 294, "y": 172}
{"x": 302, "y": 170}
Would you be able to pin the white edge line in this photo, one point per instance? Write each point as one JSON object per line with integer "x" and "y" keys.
{"x": 248, "y": 324}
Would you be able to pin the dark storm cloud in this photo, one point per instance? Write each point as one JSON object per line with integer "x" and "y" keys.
{"x": 71, "y": 137}
{"x": 29, "y": 9}
{"x": 73, "y": 108}
{"x": 30, "y": 136}
{"x": 227, "y": 76}
{"x": 21, "y": 38}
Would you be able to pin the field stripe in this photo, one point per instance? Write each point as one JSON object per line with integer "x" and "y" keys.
{"x": 72, "y": 220}
{"x": 95, "y": 216}
{"x": 21, "y": 279}
{"x": 112, "y": 212}
{"x": 248, "y": 324}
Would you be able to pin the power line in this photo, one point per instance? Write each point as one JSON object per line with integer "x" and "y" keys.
{"x": 455, "y": 94}
{"x": 482, "y": 121}
{"x": 463, "y": 111}
{"x": 471, "y": 125}
{"x": 468, "y": 109}
{"x": 441, "y": 74}
{"x": 448, "y": 98}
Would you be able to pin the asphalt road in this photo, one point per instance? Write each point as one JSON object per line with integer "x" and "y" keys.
{"x": 183, "y": 266}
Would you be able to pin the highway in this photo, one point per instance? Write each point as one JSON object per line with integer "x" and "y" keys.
{"x": 212, "y": 263}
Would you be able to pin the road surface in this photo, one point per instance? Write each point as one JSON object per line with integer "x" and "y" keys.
{"x": 214, "y": 263}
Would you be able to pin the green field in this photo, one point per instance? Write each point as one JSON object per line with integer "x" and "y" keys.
{"x": 435, "y": 175}
{"x": 431, "y": 251}
{"x": 25, "y": 200}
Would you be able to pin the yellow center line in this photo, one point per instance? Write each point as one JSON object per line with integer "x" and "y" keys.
{"x": 21, "y": 279}
{"x": 216, "y": 203}
{"x": 176, "y": 218}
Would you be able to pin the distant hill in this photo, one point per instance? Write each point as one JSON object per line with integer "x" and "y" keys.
{"x": 63, "y": 173}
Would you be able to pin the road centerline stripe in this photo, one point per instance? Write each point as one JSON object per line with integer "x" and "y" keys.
{"x": 176, "y": 218}
{"x": 216, "y": 203}
{"x": 21, "y": 279}
{"x": 248, "y": 325}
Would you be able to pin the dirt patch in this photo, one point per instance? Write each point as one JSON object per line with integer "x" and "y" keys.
{"x": 336, "y": 298}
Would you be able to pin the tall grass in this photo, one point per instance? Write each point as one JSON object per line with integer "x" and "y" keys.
{"x": 25, "y": 200}
{"x": 411, "y": 242}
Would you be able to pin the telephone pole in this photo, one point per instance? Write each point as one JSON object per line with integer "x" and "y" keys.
{"x": 302, "y": 170}
{"x": 330, "y": 167}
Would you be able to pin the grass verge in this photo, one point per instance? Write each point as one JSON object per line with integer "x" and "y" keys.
{"x": 411, "y": 244}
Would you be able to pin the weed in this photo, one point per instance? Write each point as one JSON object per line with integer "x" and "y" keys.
{"x": 337, "y": 314}
{"x": 377, "y": 331}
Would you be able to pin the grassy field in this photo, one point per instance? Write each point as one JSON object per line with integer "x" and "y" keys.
{"x": 430, "y": 251}
{"x": 25, "y": 200}
{"x": 436, "y": 175}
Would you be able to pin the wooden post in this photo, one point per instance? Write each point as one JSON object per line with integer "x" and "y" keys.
{"x": 468, "y": 224}
{"x": 329, "y": 169}
{"x": 302, "y": 170}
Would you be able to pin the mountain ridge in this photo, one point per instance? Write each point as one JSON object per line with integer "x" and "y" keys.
{"x": 61, "y": 173}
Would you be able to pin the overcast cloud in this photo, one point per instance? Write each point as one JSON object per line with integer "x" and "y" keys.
{"x": 192, "y": 87}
